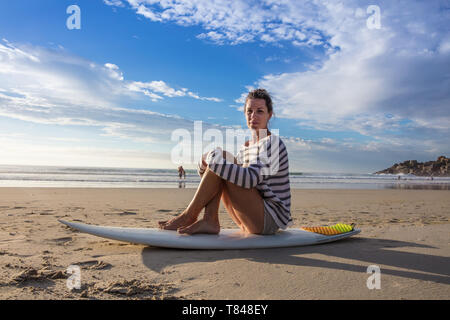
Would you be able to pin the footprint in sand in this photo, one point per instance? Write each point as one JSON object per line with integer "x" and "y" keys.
{"x": 32, "y": 274}
{"x": 62, "y": 241}
{"x": 46, "y": 212}
{"x": 127, "y": 213}
{"x": 72, "y": 209}
{"x": 136, "y": 287}
{"x": 94, "y": 265}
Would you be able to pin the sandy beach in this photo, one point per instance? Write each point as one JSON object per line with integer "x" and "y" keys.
{"x": 404, "y": 232}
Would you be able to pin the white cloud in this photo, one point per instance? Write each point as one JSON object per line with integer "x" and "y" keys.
{"x": 366, "y": 71}
{"x": 234, "y": 22}
{"x": 115, "y": 73}
{"x": 117, "y": 3}
{"x": 149, "y": 88}
{"x": 52, "y": 87}
{"x": 237, "y": 107}
{"x": 401, "y": 69}
{"x": 56, "y": 74}
{"x": 444, "y": 46}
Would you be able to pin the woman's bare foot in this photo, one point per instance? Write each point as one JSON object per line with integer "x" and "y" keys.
{"x": 201, "y": 226}
{"x": 183, "y": 220}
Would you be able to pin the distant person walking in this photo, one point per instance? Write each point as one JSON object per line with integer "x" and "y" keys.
{"x": 181, "y": 172}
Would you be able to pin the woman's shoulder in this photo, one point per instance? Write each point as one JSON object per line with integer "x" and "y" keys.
{"x": 278, "y": 139}
{"x": 274, "y": 139}
{"x": 276, "y": 143}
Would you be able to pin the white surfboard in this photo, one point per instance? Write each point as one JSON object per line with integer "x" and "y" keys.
{"x": 226, "y": 239}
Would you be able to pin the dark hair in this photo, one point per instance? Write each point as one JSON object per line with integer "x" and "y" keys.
{"x": 260, "y": 94}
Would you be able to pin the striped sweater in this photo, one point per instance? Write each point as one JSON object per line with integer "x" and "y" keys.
{"x": 264, "y": 166}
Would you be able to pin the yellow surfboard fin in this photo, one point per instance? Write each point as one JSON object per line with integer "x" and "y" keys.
{"x": 331, "y": 230}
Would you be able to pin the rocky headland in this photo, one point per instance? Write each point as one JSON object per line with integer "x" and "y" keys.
{"x": 438, "y": 168}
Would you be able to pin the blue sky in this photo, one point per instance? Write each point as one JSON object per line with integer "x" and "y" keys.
{"x": 348, "y": 97}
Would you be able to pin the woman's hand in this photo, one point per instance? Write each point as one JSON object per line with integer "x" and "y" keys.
{"x": 214, "y": 156}
{"x": 225, "y": 155}
{"x": 204, "y": 158}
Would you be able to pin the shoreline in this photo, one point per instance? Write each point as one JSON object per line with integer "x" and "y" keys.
{"x": 404, "y": 232}
{"x": 86, "y": 177}
{"x": 320, "y": 186}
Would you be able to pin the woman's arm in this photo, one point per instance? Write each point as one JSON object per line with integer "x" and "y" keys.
{"x": 202, "y": 164}
{"x": 247, "y": 177}
{"x": 261, "y": 165}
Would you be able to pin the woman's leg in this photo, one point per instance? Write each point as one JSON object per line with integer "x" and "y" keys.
{"x": 245, "y": 206}
{"x": 211, "y": 217}
{"x": 210, "y": 221}
{"x": 210, "y": 185}
{"x": 229, "y": 206}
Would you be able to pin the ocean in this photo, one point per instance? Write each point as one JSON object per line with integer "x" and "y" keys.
{"x": 90, "y": 177}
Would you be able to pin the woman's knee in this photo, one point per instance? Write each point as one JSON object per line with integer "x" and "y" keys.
{"x": 229, "y": 157}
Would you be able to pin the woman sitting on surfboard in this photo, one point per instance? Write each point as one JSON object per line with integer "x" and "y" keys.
{"x": 254, "y": 186}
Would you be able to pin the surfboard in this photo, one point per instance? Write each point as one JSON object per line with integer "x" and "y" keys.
{"x": 226, "y": 239}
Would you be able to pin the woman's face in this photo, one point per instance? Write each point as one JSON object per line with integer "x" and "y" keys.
{"x": 256, "y": 114}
